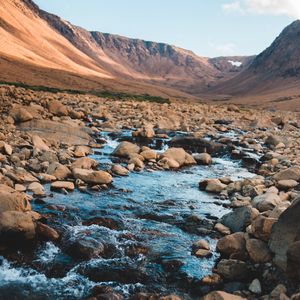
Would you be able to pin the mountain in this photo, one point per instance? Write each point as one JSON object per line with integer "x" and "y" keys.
{"x": 274, "y": 75}
{"x": 39, "y": 48}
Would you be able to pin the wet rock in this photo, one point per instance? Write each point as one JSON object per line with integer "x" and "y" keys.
{"x": 238, "y": 219}
{"x": 119, "y": 170}
{"x": 92, "y": 177}
{"x": 180, "y": 156}
{"x": 232, "y": 269}
{"x": 198, "y": 145}
{"x": 203, "y": 159}
{"x": 212, "y": 185}
{"x": 219, "y": 295}
{"x": 149, "y": 154}
{"x": 201, "y": 244}
{"x": 232, "y": 245}
{"x": 126, "y": 149}
{"x": 16, "y": 226}
{"x": 202, "y": 253}
{"x": 284, "y": 233}
{"x": 113, "y": 222}
{"x": 222, "y": 229}
{"x": 46, "y": 232}
{"x": 119, "y": 270}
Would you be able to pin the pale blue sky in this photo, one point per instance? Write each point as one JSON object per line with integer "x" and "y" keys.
{"x": 207, "y": 27}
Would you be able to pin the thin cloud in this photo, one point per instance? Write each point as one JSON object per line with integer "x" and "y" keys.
{"x": 289, "y": 8}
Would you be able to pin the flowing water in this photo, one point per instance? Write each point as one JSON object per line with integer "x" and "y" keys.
{"x": 145, "y": 227}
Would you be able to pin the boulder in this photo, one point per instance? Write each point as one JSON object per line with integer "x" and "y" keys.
{"x": 84, "y": 163}
{"x": 232, "y": 269}
{"x": 119, "y": 170}
{"x": 287, "y": 184}
{"x": 126, "y": 149}
{"x": 145, "y": 132}
{"x": 13, "y": 202}
{"x": 82, "y": 151}
{"x": 238, "y": 219}
{"x": 285, "y": 233}
{"x": 21, "y": 114}
{"x": 293, "y": 261}
{"x": 6, "y": 148}
{"x": 212, "y": 185}
{"x": 219, "y": 295}
{"x": 57, "y": 132}
{"x": 46, "y": 232}
{"x": 62, "y": 185}
{"x": 167, "y": 163}
{"x": 36, "y": 188}
{"x": 266, "y": 201}
{"x": 261, "y": 227}
{"x": 292, "y": 173}
{"x": 232, "y": 244}
{"x": 57, "y": 108}
{"x": 15, "y": 225}
{"x": 198, "y": 145}
{"x": 180, "y": 156}
{"x": 149, "y": 154}
{"x": 58, "y": 170}
{"x": 258, "y": 251}
{"x": 92, "y": 177}
{"x": 203, "y": 159}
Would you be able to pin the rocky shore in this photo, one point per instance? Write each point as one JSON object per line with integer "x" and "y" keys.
{"x": 48, "y": 139}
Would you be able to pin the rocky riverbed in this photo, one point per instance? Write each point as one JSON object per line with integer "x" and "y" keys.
{"x": 112, "y": 199}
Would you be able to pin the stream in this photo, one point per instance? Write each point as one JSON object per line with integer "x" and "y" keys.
{"x": 136, "y": 236}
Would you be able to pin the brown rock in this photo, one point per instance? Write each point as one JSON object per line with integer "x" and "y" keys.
{"x": 92, "y": 177}
{"x": 258, "y": 251}
{"x": 219, "y": 295}
{"x": 13, "y": 202}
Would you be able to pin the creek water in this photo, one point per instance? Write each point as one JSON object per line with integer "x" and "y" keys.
{"x": 153, "y": 219}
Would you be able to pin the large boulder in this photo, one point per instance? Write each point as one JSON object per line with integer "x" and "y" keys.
{"x": 92, "y": 177}
{"x": 13, "y": 202}
{"x": 292, "y": 173}
{"x": 58, "y": 132}
{"x": 266, "y": 201}
{"x": 126, "y": 149}
{"x": 198, "y": 145}
{"x": 233, "y": 244}
{"x": 15, "y": 225}
{"x": 180, "y": 156}
{"x": 293, "y": 261}
{"x": 258, "y": 251}
{"x": 238, "y": 219}
{"x": 285, "y": 233}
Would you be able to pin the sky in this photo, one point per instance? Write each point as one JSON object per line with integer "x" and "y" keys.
{"x": 207, "y": 27}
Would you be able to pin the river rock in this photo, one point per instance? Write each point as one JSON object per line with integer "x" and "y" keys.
{"x": 13, "y": 202}
{"x": 232, "y": 269}
{"x": 58, "y": 170}
{"x": 57, "y": 108}
{"x": 62, "y": 185}
{"x": 15, "y": 225}
{"x": 286, "y": 184}
{"x": 46, "y": 232}
{"x": 92, "y": 177}
{"x": 258, "y": 251}
{"x": 285, "y": 233}
{"x": 233, "y": 244}
{"x": 238, "y": 219}
{"x": 149, "y": 154}
{"x": 219, "y": 295}
{"x": 212, "y": 185}
{"x": 203, "y": 159}
{"x": 36, "y": 188}
{"x": 126, "y": 149}
{"x": 292, "y": 173}
{"x": 119, "y": 170}
{"x": 222, "y": 229}
{"x": 180, "y": 156}
{"x": 84, "y": 163}
{"x": 266, "y": 201}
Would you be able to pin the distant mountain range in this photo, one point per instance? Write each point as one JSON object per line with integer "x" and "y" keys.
{"x": 39, "y": 48}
